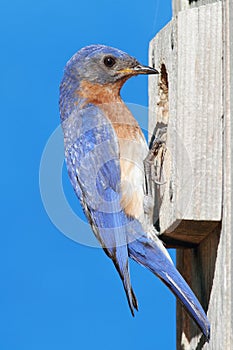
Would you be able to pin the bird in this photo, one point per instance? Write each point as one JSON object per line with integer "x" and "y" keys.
{"x": 104, "y": 150}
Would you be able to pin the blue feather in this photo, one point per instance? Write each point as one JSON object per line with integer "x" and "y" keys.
{"x": 149, "y": 254}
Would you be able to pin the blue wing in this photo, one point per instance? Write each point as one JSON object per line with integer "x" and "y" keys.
{"x": 92, "y": 157}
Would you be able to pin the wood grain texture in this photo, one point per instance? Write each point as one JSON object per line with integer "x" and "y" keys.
{"x": 190, "y": 48}
{"x": 180, "y": 5}
{"x": 196, "y": 48}
{"x": 209, "y": 267}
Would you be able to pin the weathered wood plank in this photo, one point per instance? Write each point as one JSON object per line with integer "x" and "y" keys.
{"x": 180, "y": 5}
{"x": 208, "y": 266}
{"x": 190, "y": 49}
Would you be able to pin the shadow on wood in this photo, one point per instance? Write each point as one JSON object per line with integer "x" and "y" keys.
{"x": 197, "y": 266}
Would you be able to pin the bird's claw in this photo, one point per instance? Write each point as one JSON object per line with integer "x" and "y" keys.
{"x": 154, "y": 172}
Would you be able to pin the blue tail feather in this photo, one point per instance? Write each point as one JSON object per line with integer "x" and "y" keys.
{"x": 150, "y": 254}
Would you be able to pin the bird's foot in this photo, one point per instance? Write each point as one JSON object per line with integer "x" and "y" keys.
{"x": 148, "y": 204}
{"x": 152, "y": 167}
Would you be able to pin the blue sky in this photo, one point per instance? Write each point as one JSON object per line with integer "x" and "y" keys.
{"x": 55, "y": 293}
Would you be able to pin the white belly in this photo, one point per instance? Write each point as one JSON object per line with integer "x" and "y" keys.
{"x": 132, "y": 154}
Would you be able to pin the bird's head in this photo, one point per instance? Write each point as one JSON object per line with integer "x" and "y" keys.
{"x": 99, "y": 64}
{"x": 96, "y": 74}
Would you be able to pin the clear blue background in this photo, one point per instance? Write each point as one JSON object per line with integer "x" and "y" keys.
{"x": 55, "y": 293}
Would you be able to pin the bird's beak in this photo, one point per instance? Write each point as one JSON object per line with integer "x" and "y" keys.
{"x": 139, "y": 69}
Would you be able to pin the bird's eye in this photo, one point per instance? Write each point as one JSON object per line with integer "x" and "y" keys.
{"x": 109, "y": 61}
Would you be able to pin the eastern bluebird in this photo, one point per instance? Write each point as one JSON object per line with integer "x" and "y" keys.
{"x": 104, "y": 150}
